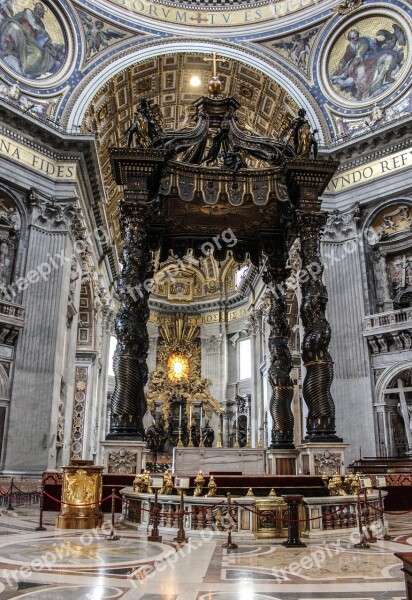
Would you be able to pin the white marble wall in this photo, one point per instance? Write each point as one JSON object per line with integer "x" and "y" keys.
{"x": 352, "y": 388}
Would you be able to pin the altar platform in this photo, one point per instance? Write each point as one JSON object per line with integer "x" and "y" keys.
{"x": 246, "y": 461}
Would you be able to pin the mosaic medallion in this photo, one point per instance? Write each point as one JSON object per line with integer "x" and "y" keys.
{"x": 87, "y": 550}
{"x": 367, "y": 59}
{"x": 33, "y": 41}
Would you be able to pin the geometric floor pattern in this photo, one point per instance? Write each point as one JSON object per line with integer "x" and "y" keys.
{"x": 70, "y": 565}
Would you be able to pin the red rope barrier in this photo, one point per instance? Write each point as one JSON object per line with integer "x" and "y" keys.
{"x": 13, "y": 485}
{"x": 296, "y": 520}
{"x": 388, "y": 512}
{"x": 165, "y": 514}
{"x": 77, "y": 505}
{"x": 16, "y": 500}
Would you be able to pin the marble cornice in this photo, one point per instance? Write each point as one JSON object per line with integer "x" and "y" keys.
{"x": 371, "y": 145}
{"x": 199, "y": 307}
{"x": 64, "y": 146}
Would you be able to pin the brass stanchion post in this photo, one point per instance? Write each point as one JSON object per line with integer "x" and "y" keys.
{"x": 154, "y": 536}
{"x": 293, "y": 501}
{"x": 371, "y": 537}
{"x": 10, "y": 505}
{"x": 229, "y": 544}
{"x": 40, "y": 527}
{"x": 112, "y": 535}
{"x": 386, "y": 536}
{"x": 362, "y": 543}
{"x": 181, "y": 537}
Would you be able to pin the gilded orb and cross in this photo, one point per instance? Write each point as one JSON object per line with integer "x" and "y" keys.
{"x": 215, "y": 86}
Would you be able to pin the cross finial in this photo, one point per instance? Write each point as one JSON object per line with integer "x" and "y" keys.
{"x": 214, "y": 60}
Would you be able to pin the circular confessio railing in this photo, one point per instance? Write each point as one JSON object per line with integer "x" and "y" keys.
{"x": 250, "y": 516}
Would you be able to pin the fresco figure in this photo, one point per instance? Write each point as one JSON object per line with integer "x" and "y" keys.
{"x": 368, "y": 66}
{"x": 25, "y": 44}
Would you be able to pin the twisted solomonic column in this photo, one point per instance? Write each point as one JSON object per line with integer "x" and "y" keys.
{"x": 280, "y": 357}
{"x": 307, "y": 179}
{"x": 128, "y": 402}
{"x": 317, "y": 332}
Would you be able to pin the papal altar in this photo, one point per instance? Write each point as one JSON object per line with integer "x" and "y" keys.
{"x": 246, "y": 461}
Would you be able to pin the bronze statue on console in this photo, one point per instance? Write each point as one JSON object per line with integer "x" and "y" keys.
{"x": 146, "y": 126}
{"x": 156, "y": 436}
{"x": 214, "y": 149}
{"x": 304, "y": 140}
{"x": 208, "y": 435}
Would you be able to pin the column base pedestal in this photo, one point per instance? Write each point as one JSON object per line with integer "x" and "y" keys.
{"x": 125, "y": 457}
{"x": 74, "y": 521}
{"x": 282, "y": 462}
{"x": 322, "y": 458}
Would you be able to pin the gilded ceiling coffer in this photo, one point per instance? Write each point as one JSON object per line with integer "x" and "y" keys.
{"x": 280, "y": 357}
{"x": 307, "y": 180}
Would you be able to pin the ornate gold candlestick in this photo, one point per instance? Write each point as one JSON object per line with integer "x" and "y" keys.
{"x": 179, "y": 441}
{"x": 248, "y": 443}
{"x": 219, "y": 431}
{"x": 190, "y": 443}
{"x": 236, "y": 445}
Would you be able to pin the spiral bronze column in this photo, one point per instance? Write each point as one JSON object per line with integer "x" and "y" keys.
{"x": 280, "y": 357}
{"x": 128, "y": 402}
{"x": 317, "y": 332}
{"x": 307, "y": 180}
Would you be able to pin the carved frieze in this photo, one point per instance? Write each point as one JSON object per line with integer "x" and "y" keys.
{"x": 122, "y": 461}
{"x": 327, "y": 463}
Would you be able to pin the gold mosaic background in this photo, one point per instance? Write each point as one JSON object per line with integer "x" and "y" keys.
{"x": 53, "y": 27}
{"x": 367, "y": 27}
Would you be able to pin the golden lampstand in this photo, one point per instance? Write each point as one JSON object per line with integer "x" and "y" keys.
{"x": 179, "y": 441}
{"x": 212, "y": 487}
{"x": 336, "y": 486}
{"x": 139, "y": 483}
{"x": 81, "y": 497}
{"x": 199, "y": 481}
{"x": 147, "y": 490}
{"x": 355, "y": 486}
{"x": 167, "y": 488}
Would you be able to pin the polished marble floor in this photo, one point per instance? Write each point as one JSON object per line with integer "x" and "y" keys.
{"x": 67, "y": 565}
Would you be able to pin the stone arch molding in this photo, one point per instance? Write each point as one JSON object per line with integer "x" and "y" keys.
{"x": 397, "y": 200}
{"x": 386, "y": 377}
{"x": 74, "y": 113}
{"x": 384, "y": 205}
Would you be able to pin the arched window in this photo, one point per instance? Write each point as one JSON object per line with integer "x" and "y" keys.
{"x": 245, "y": 359}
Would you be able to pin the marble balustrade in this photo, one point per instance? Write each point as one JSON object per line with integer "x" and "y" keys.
{"x": 320, "y": 516}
